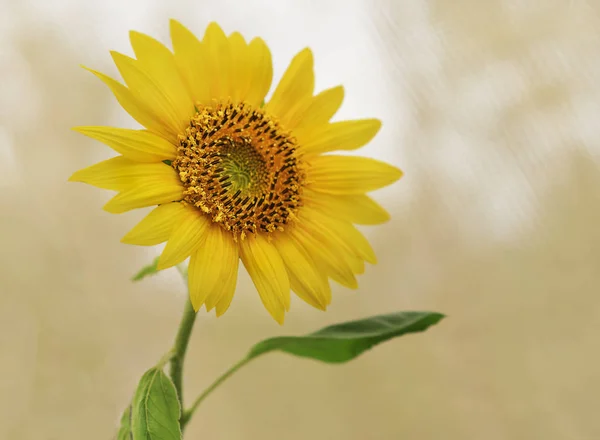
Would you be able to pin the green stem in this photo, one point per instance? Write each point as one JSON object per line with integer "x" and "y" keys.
{"x": 187, "y": 414}
{"x": 181, "y": 342}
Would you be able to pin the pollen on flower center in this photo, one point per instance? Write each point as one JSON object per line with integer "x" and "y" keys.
{"x": 240, "y": 167}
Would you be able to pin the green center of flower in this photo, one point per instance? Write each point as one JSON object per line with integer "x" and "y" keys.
{"x": 245, "y": 167}
{"x": 239, "y": 166}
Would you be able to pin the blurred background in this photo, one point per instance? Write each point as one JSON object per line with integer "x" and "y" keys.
{"x": 491, "y": 109}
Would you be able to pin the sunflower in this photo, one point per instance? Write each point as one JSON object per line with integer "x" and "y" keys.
{"x": 234, "y": 178}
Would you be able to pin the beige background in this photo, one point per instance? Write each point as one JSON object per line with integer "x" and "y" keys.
{"x": 491, "y": 108}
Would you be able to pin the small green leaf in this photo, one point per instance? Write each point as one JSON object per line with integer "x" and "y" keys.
{"x": 343, "y": 342}
{"x": 155, "y": 410}
{"x": 125, "y": 429}
{"x": 146, "y": 271}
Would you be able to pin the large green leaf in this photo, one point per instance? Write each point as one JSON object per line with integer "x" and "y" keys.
{"x": 155, "y": 410}
{"x": 125, "y": 429}
{"x": 334, "y": 344}
{"x": 343, "y": 342}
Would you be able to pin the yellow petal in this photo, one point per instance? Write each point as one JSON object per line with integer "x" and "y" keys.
{"x": 186, "y": 237}
{"x": 156, "y": 191}
{"x": 321, "y": 109}
{"x": 306, "y": 280}
{"x": 329, "y": 237}
{"x": 335, "y": 174}
{"x": 191, "y": 61}
{"x": 345, "y": 135}
{"x": 268, "y": 273}
{"x": 228, "y": 290}
{"x": 159, "y": 64}
{"x": 138, "y": 145}
{"x": 148, "y": 91}
{"x": 342, "y": 233}
{"x": 259, "y": 73}
{"x": 239, "y": 72}
{"x": 156, "y": 227}
{"x": 218, "y": 61}
{"x": 354, "y": 208}
{"x": 120, "y": 173}
{"x": 295, "y": 89}
{"x": 330, "y": 259}
{"x": 211, "y": 266}
{"x": 135, "y": 107}
{"x": 357, "y": 265}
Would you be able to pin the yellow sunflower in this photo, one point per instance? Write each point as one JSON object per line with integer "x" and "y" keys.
{"x": 233, "y": 178}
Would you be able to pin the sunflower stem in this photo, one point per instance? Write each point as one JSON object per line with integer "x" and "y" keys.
{"x": 187, "y": 414}
{"x": 179, "y": 349}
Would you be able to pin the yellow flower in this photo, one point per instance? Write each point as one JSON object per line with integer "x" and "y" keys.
{"x": 235, "y": 179}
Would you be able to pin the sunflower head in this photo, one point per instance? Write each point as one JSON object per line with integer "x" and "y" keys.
{"x": 240, "y": 167}
{"x": 232, "y": 179}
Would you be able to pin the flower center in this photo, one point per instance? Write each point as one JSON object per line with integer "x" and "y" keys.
{"x": 240, "y": 167}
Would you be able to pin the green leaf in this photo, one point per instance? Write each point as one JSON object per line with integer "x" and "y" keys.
{"x": 343, "y": 342}
{"x": 155, "y": 410}
{"x": 125, "y": 429}
{"x": 146, "y": 271}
